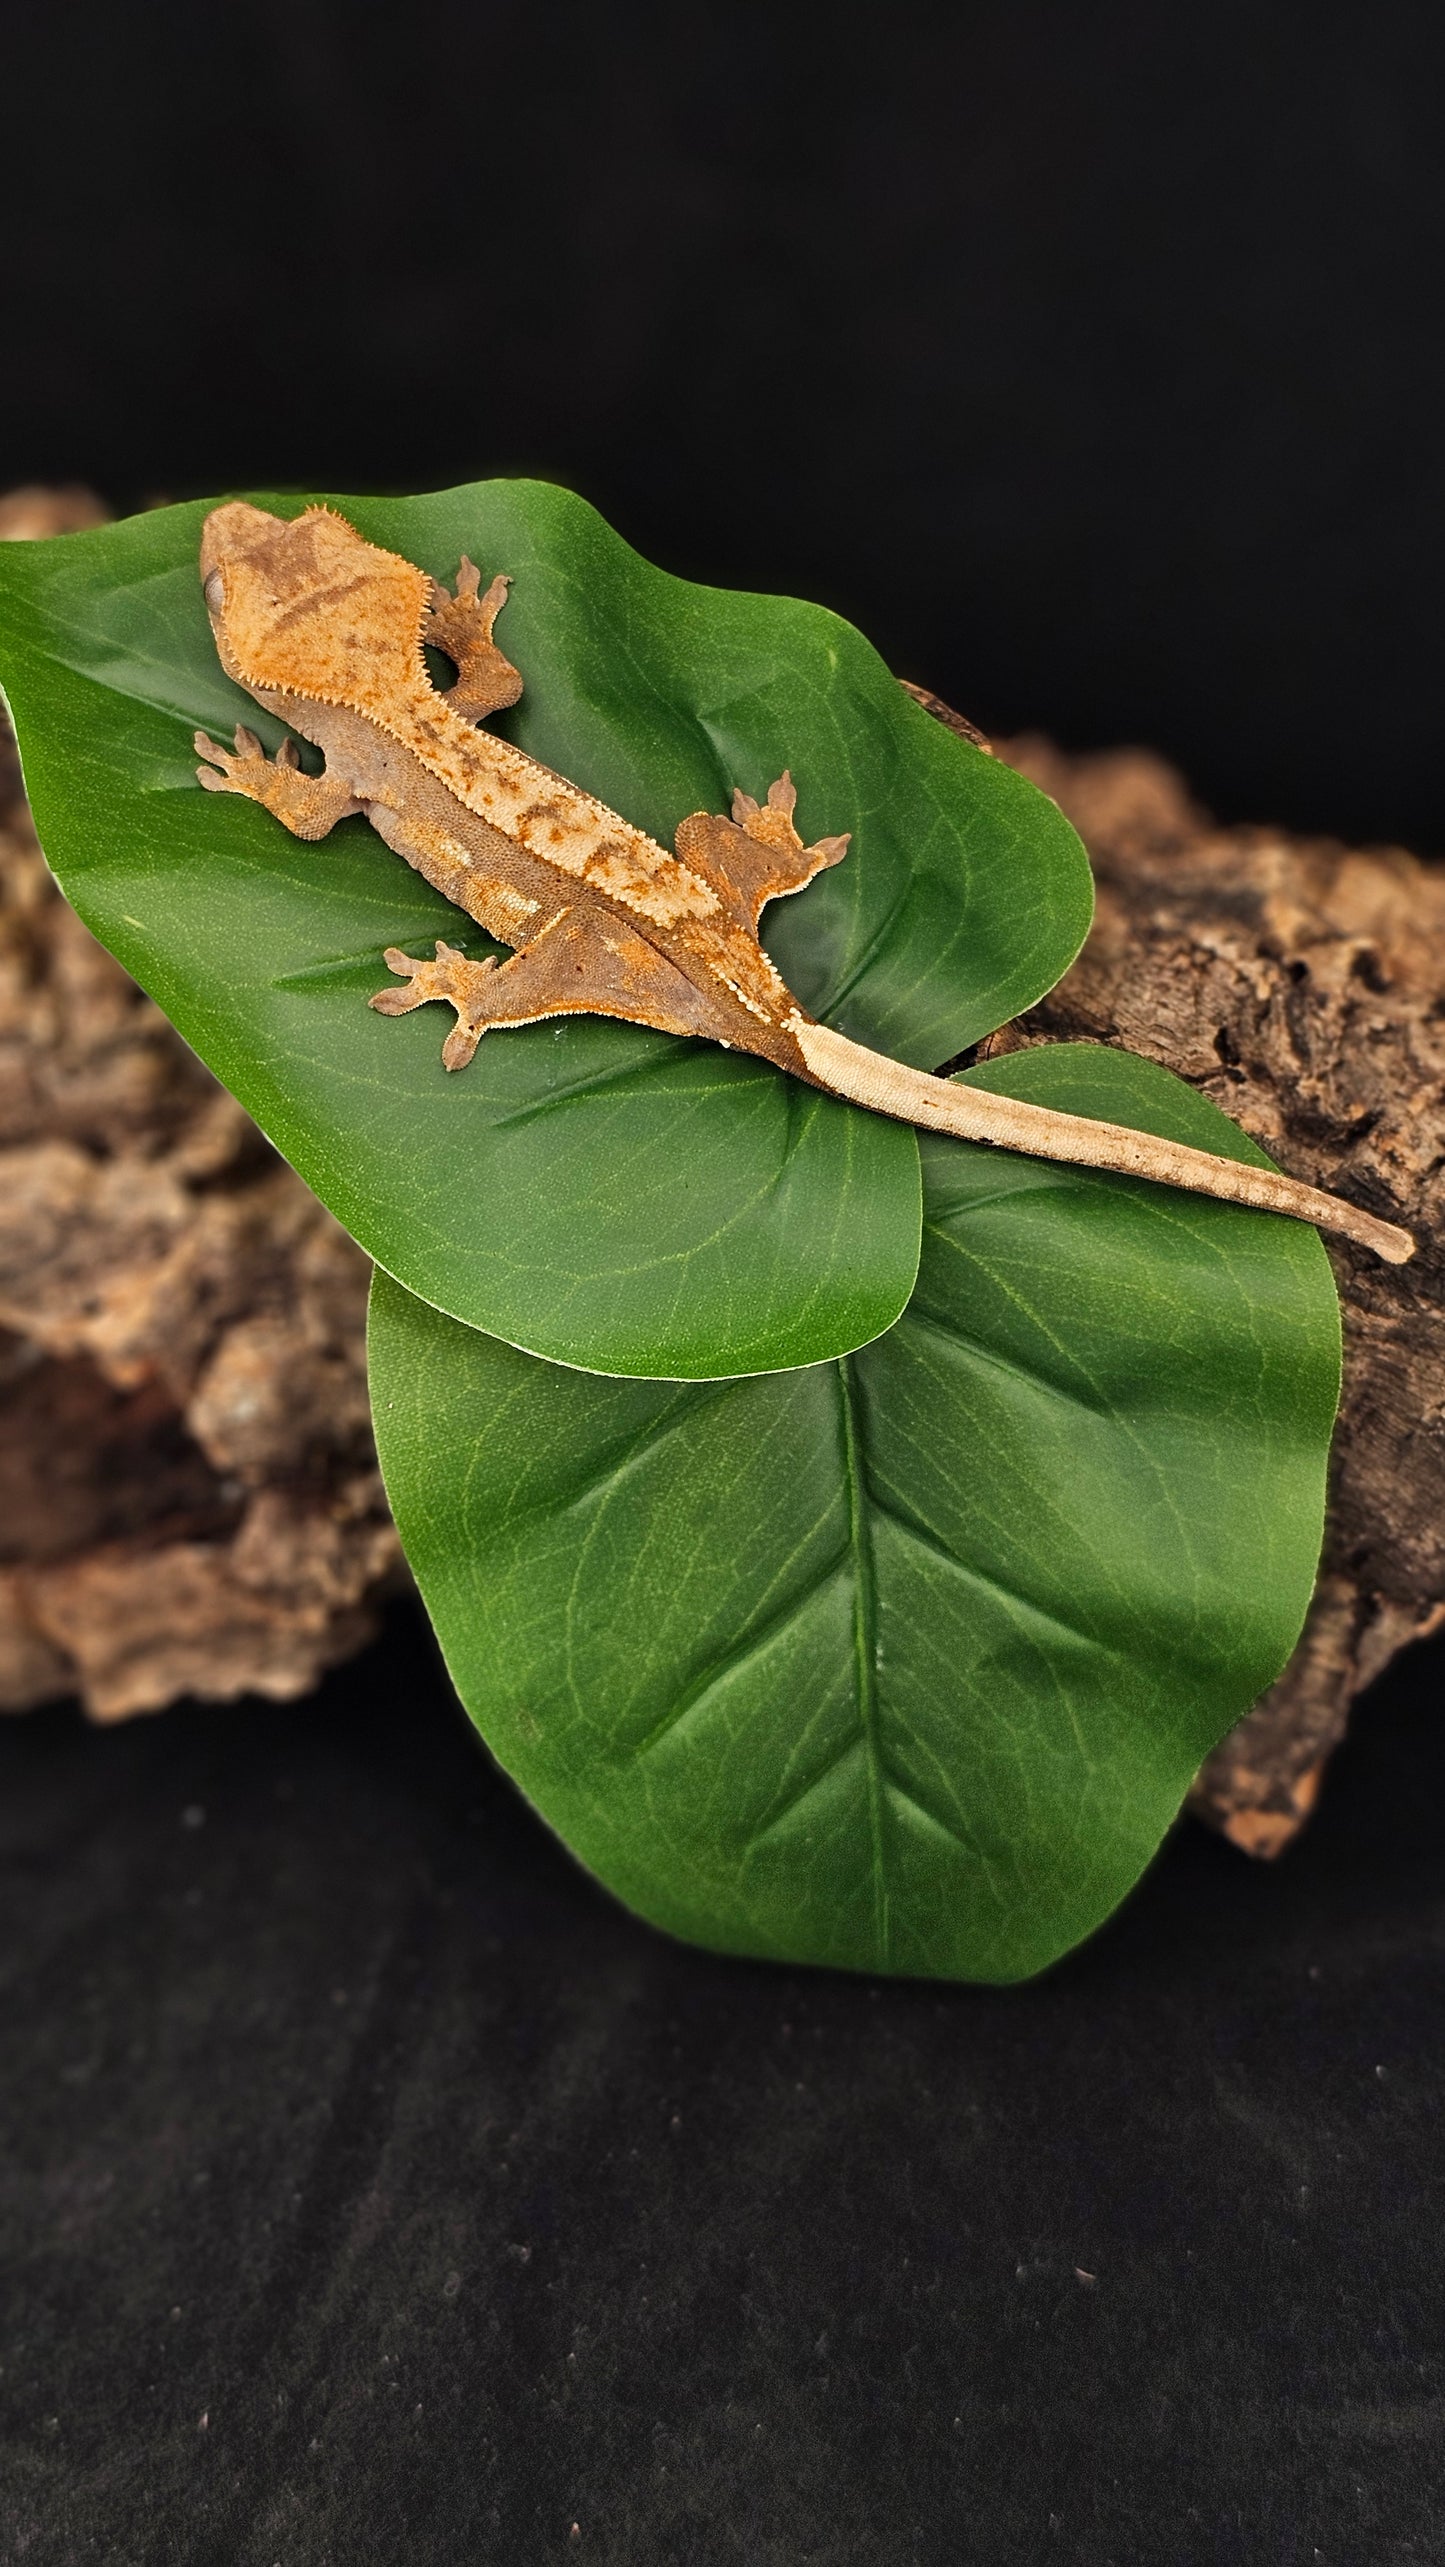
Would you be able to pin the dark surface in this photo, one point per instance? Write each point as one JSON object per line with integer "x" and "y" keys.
{"x": 375, "y": 2190}
{"x": 1089, "y": 358}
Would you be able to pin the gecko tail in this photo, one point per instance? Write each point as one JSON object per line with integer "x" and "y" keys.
{"x": 1076, "y": 1140}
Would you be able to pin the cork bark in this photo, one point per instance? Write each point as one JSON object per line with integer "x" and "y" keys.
{"x": 189, "y": 1500}
{"x": 1301, "y": 985}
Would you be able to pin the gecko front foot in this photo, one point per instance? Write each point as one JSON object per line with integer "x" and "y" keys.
{"x": 463, "y": 984}
{"x": 771, "y": 824}
{"x": 308, "y": 805}
{"x": 462, "y": 627}
{"x": 757, "y": 855}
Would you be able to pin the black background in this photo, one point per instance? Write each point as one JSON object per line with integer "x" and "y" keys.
{"x": 1090, "y": 358}
{"x": 374, "y": 2190}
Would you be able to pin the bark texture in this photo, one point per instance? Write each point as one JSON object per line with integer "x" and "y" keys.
{"x": 189, "y": 1501}
{"x": 1301, "y": 985}
{"x": 188, "y": 1495}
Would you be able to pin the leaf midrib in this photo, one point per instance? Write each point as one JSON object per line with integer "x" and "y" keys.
{"x": 865, "y": 1639}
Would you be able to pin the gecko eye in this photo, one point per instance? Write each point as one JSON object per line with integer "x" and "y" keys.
{"x": 213, "y": 591}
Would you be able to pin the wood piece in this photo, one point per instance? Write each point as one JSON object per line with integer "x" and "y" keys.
{"x": 1301, "y": 985}
{"x": 188, "y": 1499}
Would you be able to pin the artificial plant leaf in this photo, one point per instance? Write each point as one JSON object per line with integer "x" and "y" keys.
{"x": 902, "y": 1662}
{"x": 597, "y": 1194}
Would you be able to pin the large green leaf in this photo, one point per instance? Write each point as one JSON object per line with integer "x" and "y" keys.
{"x": 902, "y": 1662}
{"x": 598, "y": 1194}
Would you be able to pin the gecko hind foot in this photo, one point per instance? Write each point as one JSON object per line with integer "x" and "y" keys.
{"x": 461, "y": 626}
{"x": 463, "y": 984}
{"x": 308, "y": 805}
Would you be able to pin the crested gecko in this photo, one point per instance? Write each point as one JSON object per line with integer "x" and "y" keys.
{"x": 327, "y": 632}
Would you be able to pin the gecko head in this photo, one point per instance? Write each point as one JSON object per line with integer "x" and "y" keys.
{"x": 234, "y": 541}
{"x": 305, "y": 605}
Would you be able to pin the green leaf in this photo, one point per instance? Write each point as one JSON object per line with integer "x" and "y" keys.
{"x": 902, "y": 1662}
{"x": 595, "y": 1193}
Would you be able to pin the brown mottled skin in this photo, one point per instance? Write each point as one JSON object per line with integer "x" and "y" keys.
{"x": 328, "y": 633}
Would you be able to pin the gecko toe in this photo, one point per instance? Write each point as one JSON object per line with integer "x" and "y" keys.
{"x": 460, "y": 1046}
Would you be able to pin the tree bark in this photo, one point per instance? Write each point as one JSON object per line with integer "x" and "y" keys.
{"x": 189, "y": 1500}
{"x": 1301, "y": 985}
